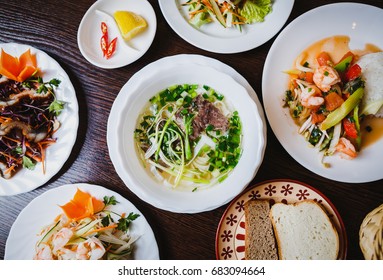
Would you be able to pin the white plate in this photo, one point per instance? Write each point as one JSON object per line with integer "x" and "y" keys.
{"x": 42, "y": 210}
{"x": 214, "y": 38}
{"x": 57, "y": 154}
{"x": 131, "y": 101}
{"x": 362, "y": 23}
{"x": 89, "y": 32}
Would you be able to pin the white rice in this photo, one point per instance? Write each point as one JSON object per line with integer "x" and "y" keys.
{"x": 372, "y": 72}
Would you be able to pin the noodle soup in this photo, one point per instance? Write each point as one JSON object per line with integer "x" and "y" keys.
{"x": 189, "y": 136}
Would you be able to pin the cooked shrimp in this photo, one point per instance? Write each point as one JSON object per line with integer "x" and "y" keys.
{"x": 91, "y": 249}
{"x": 43, "y": 253}
{"x": 325, "y": 77}
{"x": 346, "y": 148}
{"x": 66, "y": 254}
{"x": 61, "y": 238}
{"x": 310, "y": 95}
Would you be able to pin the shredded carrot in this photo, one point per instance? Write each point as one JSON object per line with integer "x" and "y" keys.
{"x": 196, "y": 12}
{"x": 42, "y": 151}
{"x": 100, "y": 229}
{"x": 33, "y": 156}
{"x": 11, "y": 139}
{"x": 9, "y": 169}
{"x": 207, "y": 4}
{"x": 8, "y": 156}
{"x": 47, "y": 142}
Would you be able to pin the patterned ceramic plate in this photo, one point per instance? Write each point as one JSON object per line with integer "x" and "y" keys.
{"x": 230, "y": 237}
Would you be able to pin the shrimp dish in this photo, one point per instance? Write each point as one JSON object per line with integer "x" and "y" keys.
{"x": 325, "y": 97}
{"x": 87, "y": 230}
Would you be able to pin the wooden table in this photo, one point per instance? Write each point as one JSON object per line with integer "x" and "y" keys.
{"x": 52, "y": 26}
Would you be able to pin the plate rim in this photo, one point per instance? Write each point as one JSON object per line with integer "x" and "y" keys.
{"x": 281, "y": 180}
{"x": 74, "y": 107}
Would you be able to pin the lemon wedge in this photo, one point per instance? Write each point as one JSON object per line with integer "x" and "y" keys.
{"x": 129, "y": 23}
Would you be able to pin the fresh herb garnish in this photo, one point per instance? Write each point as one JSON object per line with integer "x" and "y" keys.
{"x": 123, "y": 223}
{"x": 110, "y": 200}
{"x": 28, "y": 163}
{"x": 56, "y": 107}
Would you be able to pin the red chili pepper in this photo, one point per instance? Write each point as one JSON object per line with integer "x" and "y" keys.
{"x": 104, "y": 28}
{"x": 104, "y": 44}
{"x": 111, "y": 48}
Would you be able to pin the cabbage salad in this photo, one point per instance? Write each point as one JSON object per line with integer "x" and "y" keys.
{"x": 229, "y": 13}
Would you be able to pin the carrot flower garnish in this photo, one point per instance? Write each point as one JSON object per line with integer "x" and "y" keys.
{"x": 18, "y": 68}
{"x": 82, "y": 205}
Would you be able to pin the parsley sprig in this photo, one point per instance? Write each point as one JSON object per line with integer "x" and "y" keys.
{"x": 124, "y": 222}
{"x": 46, "y": 87}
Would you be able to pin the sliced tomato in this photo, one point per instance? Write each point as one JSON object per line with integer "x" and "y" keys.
{"x": 333, "y": 101}
{"x": 324, "y": 59}
{"x": 317, "y": 117}
{"x": 353, "y": 72}
{"x": 307, "y": 76}
{"x": 350, "y": 128}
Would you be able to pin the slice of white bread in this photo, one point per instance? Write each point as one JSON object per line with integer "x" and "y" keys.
{"x": 304, "y": 232}
{"x": 260, "y": 243}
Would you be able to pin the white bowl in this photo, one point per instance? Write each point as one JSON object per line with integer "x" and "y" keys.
{"x": 131, "y": 101}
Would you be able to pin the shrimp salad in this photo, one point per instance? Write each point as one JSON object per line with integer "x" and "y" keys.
{"x": 87, "y": 230}
{"x": 324, "y": 100}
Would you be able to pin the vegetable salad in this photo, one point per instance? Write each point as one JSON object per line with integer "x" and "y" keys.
{"x": 324, "y": 100}
{"x": 234, "y": 13}
{"x": 88, "y": 229}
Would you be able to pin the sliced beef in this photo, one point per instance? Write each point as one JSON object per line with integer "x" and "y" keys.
{"x": 205, "y": 113}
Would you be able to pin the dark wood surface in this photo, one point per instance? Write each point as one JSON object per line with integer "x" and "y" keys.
{"x": 52, "y": 26}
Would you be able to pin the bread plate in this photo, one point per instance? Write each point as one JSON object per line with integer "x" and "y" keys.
{"x": 230, "y": 236}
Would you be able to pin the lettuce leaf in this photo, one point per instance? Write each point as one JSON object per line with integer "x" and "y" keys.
{"x": 256, "y": 10}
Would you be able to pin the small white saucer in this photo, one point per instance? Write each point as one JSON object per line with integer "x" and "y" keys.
{"x": 89, "y": 32}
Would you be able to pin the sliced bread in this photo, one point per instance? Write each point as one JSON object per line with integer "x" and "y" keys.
{"x": 304, "y": 232}
{"x": 260, "y": 242}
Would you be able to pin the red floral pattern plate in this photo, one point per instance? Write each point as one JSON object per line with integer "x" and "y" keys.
{"x": 230, "y": 236}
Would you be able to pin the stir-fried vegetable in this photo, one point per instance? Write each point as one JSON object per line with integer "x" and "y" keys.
{"x": 325, "y": 103}
{"x": 189, "y": 135}
{"x": 228, "y": 13}
{"x": 87, "y": 230}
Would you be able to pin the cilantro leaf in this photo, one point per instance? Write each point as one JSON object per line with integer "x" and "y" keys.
{"x": 28, "y": 163}
{"x": 56, "y": 107}
{"x": 18, "y": 150}
{"x": 107, "y": 220}
{"x": 110, "y": 200}
{"x": 123, "y": 223}
{"x": 54, "y": 82}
